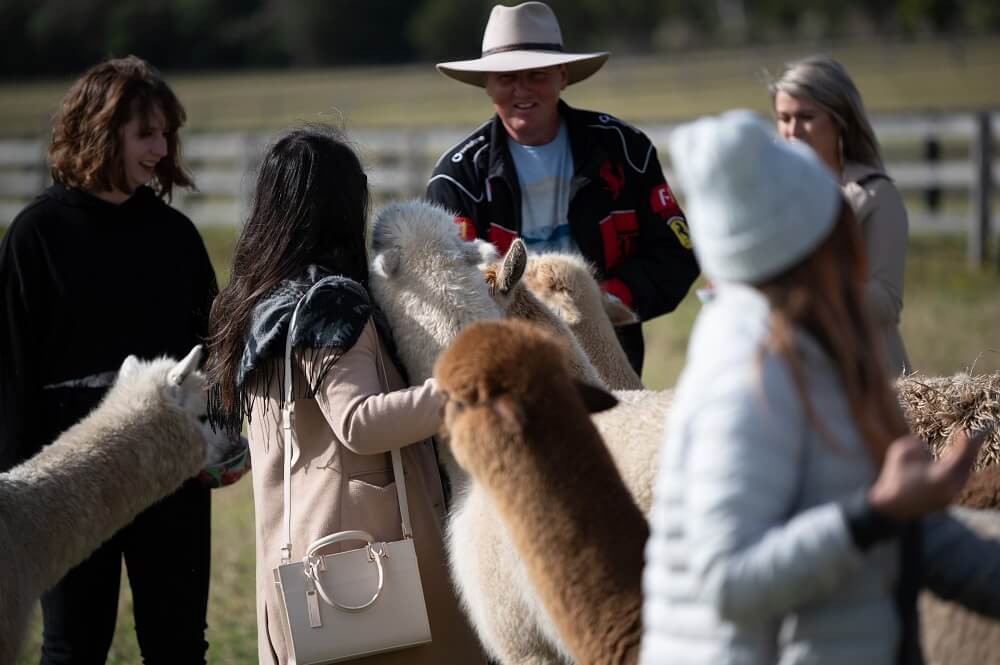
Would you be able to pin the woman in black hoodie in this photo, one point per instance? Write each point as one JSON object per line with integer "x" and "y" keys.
{"x": 98, "y": 267}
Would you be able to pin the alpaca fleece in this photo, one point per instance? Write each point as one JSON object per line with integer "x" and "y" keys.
{"x": 137, "y": 446}
{"x": 517, "y": 302}
{"x": 582, "y": 550}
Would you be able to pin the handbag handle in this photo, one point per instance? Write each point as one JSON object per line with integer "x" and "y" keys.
{"x": 313, "y": 563}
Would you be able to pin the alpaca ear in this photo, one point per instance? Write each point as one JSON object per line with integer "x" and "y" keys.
{"x": 512, "y": 268}
{"x": 129, "y": 366}
{"x": 479, "y": 252}
{"x": 386, "y": 264}
{"x": 182, "y": 369}
{"x": 594, "y": 398}
{"x": 619, "y": 313}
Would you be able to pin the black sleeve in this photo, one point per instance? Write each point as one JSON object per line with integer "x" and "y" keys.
{"x": 660, "y": 272}
{"x": 867, "y": 526}
{"x": 20, "y": 285}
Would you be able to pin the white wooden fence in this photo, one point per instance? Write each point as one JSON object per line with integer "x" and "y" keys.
{"x": 400, "y": 161}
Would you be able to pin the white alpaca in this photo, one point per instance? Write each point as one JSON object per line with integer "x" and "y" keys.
{"x": 418, "y": 259}
{"x": 144, "y": 439}
{"x": 566, "y": 283}
{"x": 426, "y": 280}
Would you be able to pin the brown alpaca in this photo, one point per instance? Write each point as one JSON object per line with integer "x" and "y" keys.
{"x": 982, "y": 490}
{"x": 518, "y": 425}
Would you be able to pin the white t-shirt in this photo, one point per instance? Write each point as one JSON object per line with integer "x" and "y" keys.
{"x": 544, "y": 173}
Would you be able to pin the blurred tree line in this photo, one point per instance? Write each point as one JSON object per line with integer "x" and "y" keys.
{"x": 62, "y": 37}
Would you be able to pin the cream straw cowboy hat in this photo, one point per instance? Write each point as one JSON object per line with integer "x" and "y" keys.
{"x": 523, "y": 37}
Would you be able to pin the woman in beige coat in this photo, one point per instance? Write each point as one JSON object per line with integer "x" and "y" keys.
{"x": 305, "y": 239}
{"x": 816, "y": 102}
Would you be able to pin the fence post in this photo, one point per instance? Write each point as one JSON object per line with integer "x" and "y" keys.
{"x": 982, "y": 190}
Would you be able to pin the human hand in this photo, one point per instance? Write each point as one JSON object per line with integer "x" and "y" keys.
{"x": 912, "y": 484}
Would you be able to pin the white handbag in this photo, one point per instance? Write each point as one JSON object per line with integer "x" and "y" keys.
{"x": 355, "y": 603}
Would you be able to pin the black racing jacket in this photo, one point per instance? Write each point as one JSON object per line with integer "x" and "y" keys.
{"x": 622, "y": 214}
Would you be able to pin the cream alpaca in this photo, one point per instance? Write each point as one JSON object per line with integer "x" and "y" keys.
{"x": 566, "y": 283}
{"x": 517, "y": 302}
{"x": 144, "y": 439}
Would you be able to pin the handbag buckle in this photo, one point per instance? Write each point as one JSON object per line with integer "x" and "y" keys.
{"x": 377, "y": 549}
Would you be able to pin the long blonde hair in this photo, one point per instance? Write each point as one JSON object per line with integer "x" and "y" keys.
{"x": 823, "y": 295}
{"x": 825, "y": 81}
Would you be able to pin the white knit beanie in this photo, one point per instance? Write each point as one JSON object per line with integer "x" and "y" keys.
{"x": 756, "y": 204}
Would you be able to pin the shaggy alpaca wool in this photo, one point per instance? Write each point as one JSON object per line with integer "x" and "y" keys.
{"x": 937, "y": 406}
{"x": 144, "y": 439}
{"x": 567, "y": 284}
{"x": 582, "y": 552}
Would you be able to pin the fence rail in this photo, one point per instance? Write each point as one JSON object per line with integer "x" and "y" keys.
{"x": 399, "y": 162}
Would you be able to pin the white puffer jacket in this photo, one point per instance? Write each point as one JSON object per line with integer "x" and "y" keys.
{"x": 750, "y": 560}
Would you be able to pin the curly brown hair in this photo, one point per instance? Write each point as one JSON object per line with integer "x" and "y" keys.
{"x": 86, "y": 147}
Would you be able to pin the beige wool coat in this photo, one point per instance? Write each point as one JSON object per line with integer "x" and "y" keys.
{"x": 885, "y": 228}
{"x": 343, "y": 480}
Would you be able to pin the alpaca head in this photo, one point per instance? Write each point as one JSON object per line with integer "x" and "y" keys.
{"x": 427, "y": 280}
{"x": 181, "y": 386}
{"x": 514, "y": 365}
{"x": 566, "y": 283}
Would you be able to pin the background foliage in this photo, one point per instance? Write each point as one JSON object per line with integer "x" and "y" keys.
{"x": 61, "y": 37}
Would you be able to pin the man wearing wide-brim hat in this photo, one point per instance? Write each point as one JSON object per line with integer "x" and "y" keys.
{"x": 561, "y": 178}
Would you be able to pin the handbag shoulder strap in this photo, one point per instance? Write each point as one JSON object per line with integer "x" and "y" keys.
{"x": 397, "y": 459}
{"x": 288, "y": 428}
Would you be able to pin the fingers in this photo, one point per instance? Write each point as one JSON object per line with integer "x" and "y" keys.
{"x": 955, "y": 465}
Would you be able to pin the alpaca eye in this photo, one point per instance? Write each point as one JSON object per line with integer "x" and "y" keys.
{"x": 203, "y": 419}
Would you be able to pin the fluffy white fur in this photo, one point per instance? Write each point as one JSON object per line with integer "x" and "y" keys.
{"x": 425, "y": 275}
{"x": 145, "y": 438}
{"x": 418, "y": 259}
{"x": 566, "y": 283}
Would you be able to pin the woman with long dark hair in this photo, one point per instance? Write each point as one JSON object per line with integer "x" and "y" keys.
{"x": 96, "y": 268}
{"x": 795, "y": 517}
{"x": 305, "y": 241}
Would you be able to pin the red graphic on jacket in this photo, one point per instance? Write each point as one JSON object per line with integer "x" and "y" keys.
{"x": 662, "y": 201}
{"x": 466, "y": 228}
{"x": 619, "y": 232}
{"x": 501, "y": 237}
{"x": 612, "y": 182}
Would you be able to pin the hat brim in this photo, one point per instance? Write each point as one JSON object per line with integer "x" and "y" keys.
{"x": 578, "y": 65}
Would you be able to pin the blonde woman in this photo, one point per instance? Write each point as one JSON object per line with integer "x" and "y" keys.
{"x": 816, "y": 102}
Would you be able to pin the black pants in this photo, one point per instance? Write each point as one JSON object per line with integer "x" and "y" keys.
{"x": 167, "y": 556}
{"x": 630, "y": 337}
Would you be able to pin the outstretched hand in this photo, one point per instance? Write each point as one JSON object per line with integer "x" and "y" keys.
{"x": 911, "y": 483}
